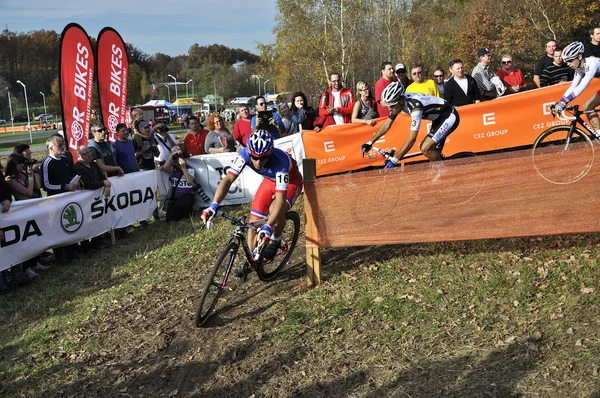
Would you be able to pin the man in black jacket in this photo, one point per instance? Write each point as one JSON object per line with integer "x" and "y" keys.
{"x": 92, "y": 178}
{"x": 460, "y": 89}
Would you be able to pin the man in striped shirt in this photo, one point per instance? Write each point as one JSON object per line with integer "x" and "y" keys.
{"x": 557, "y": 72}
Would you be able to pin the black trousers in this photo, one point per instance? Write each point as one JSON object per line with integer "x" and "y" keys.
{"x": 180, "y": 208}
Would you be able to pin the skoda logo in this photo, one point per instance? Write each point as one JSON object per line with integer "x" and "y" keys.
{"x": 71, "y": 218}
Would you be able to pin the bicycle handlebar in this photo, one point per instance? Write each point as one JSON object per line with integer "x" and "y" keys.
{"x": 238, "y": 222}
{"x": 562, "y": 115}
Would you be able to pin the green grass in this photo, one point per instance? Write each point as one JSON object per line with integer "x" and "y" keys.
{"x": 511, "y": 317}
{"x": 4, "y": 146}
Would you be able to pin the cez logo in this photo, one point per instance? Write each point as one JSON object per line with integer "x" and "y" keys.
{"x": 489, "y": 118}
{"x": 71, "y": 218}
{"x": 546, "y": 108}
{"x": 329, "y": 146}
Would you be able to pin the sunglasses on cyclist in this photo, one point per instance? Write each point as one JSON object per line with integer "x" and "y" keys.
{"x": 259, "y": 158}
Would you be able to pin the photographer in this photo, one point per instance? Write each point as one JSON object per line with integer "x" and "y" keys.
{"x": 23, "y": 182}
{"x": 181, "y": 200}
{"x": 267, "y": 120}
{"x": 23, "y": 177}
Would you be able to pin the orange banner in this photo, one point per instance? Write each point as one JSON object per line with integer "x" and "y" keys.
{"x": 508, "y": 122}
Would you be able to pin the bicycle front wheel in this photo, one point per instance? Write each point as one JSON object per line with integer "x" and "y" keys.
{"x": 270, "y": 268}
{"x": 216, "y": 282}
{"x": 562, "y": 159}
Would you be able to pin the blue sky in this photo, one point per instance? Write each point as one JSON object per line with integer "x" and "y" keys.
{"x": 169, "y": 27}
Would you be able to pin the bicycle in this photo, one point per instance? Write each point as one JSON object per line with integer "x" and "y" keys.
{"x": 266, "y": 270}
{"x": 449, "y": 187}
{"x": 564, "y": 154}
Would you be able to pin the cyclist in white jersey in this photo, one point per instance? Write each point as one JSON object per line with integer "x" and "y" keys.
{"x": 585, "y": 70}
{"x": 419, "y": 106}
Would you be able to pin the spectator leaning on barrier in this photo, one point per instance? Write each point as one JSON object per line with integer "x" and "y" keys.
{"x": 270, "y": 121}
{"x": 557, "y": 72}
{"x": 219, "y": 139}
{"x": 592, "y": 49}
{"x": 387, "y": 76}
{"x": 181, "y": 200}
{"x": 145, "y": 147}
{"x": 284, "y": 112}
{"x": 13, "y": 277}
{"x": 23, "y": 182}
{"x": 365, "y": 109}
{"x": 164, "y": 141}
{"x": 420, "y": 84}
{"x": 483, "y": 74}
{"x": 460, "y": 89}
{"x": 124, "y": 150}
{"x": 57, "y": 174}
{"x": 303, "y": 116}
{"x": 336, "y": 103}
{"x": 31, "y": 166}
{"x": 402, "y": 77}
{"x": 511, "y": 77}
{"x": 103, "y": 152}
{"x": 193, "y": 143}
{"x": 92, "y": 178}
{"x": 439, "y": 75}
{"x": 242, "y": 127}
{"x": 544, "y": 62}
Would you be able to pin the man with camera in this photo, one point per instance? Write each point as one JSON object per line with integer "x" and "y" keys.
{"x": 165, "y": 141}
{"x": 181, "y": 199}
{"x": 267, "y": 120}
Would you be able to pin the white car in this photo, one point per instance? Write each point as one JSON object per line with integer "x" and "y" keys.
{"x": 2, "y": 121}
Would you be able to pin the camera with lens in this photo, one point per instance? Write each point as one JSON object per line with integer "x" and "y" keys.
{"x": 30, "y": 162}
{"x": 183, "y": 155}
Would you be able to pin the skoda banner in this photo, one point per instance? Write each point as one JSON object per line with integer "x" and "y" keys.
{"x": 112, "y": 68}
{"x": 33, "y": 226}
{"x": 76, "y": 80}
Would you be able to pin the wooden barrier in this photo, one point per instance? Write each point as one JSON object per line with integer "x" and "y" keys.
{"x": 489, "y": 196}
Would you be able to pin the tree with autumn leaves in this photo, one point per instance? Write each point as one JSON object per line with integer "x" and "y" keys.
{"x": 317, "y": 37}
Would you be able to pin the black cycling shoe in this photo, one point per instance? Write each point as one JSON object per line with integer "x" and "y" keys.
{"x": 241, "y": 270}
{"x": 271, "y": 249}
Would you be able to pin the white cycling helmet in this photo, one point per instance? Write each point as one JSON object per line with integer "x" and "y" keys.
{"x": 572, "y": 51}
{"x": 260, "y": 144}
{"x": 392, "y": 93}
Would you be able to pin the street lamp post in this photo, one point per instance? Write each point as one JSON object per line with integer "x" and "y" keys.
{"x": 176, "y": 98}
{"x": 186, "y": 88}
{"x": 43, "y": 96}
{"x": 265, "y": 86}
{"x": 215, "y": 86}
{"x": 257, "y": 78}
{"x": 168, "y": 91}
{"x": 12, "y": 122}
{"x": 27, "y": 108}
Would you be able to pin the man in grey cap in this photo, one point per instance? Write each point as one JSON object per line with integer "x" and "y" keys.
{"x": 483, "y": 74}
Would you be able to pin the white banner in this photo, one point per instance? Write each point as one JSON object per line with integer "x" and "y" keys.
{"x": 210, "y": 170}
{"x": 33, "y": 226}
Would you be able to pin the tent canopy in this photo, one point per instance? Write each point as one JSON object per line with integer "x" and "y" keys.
{"x": 186, "y": 102}
{"x": 158, "y": 103}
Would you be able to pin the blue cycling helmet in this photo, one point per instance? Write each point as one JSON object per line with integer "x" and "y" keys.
{"x": 260, "y": 144}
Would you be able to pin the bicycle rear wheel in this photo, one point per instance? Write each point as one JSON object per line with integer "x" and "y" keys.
{"x": 269, "y": 269}
{"x": 560, "y": 160}
{"x": 216, "y": 283}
